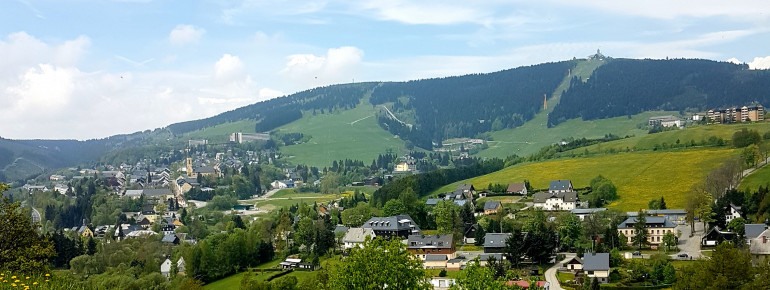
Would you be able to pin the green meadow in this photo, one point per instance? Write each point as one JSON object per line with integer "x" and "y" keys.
{"x": 351, "y": 134}
{"x": 640, "y": 177}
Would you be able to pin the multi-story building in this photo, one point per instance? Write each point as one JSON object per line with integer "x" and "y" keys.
{"x": 400, "y": 226}
{"x": 656, "y": 227}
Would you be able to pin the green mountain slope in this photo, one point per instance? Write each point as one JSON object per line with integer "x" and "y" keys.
{"x": 350, "y": 134}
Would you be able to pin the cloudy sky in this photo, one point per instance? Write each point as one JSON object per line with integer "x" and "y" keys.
{"x": 90, "y": 69}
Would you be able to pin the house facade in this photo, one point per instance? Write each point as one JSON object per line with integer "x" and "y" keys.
{"x": 656, "y": 228}
{"x": 517, "y": 188}
{"x": 732, "y": 212}
{"x": 495, "y": 242}
{"x": 552, "y": 201}
{"x": 355, "y": 237}
{"x": 597, "y": 265}
{"x": 492, "y": 207}
{"x": 423, "y": 246}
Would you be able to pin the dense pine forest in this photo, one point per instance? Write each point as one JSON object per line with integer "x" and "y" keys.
{"x": 625, "y": 87}
{"x": 464, "y": 106}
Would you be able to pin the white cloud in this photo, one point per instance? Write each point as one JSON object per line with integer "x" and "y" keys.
{"x": 185, "y": 34}
{"x": 339, "y": 65}
{"x": 45, "y": 93}
{"x": 228, "y": 68}
{"x": 760, "y": 63}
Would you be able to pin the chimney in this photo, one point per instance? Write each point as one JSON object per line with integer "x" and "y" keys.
{"x": 764, "y": 239}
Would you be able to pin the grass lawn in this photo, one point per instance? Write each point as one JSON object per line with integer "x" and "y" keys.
{"x": 273, "y": 204}
{"x": 695, "y": 133}
{"x": 760, "y": 177}
{"x": 502, "y": 199}
{"x": 640, "y": 177}
{"x": 352, "y": 134}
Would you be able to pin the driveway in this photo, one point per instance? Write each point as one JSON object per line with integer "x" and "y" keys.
{"x": 550, "y": 274}
{"x": 690, "y": 245}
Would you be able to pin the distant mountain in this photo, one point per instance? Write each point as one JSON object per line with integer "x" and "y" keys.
{"x": 425, "y": 112}
{"x": 629, "y": 86}
{"x": 464, "y": 106}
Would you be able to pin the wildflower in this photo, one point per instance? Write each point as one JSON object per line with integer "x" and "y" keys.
{"x": 27, "y": 277}
{"x": 46, "y": 280}
{"x": 17, "y": 281}
{"x": 48, "y": 275}
{"x": 14, "y": 284}
{"x": 13, "y": 277}
{"x": 34, "y": 283}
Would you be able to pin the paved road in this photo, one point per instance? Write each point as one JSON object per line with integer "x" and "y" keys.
{"x": 269, "y": 193}
{"x": 690, "y": 245}
{"x": 550, "y": 274}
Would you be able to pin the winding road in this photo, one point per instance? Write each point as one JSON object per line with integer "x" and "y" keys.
{"x": 550, "y": 274}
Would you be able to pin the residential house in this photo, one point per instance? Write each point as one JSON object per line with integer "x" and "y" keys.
{"x": 56, "y": 177}
{"x": 281, "y": 184}
{"x": 441, "y": 283}
{"x": 466, "y": 190}
{"x": 170, "y": 239}
{"x": 760, "y": 247}
{"x": 84, "y": 231}
{"x": 355, "y": 237}
{"x": 290, "y": 263}
{"x": 432, "y": 201}
{"x": 732, "y": 212}
{"x": 426, "y": 245}
{"x": 495, "y": 242}
{"x": 140, "y": 234}
{"x": 582, "y": 213}
{"x": 492, "y": 207}
{"x": 207, "y": 171}
{"x": 576, "y": 263}
{"x": 558, "y": 200}
{"x": 434, "y": 261}
{"x": 715, "y": 236}
{"x": 455, "y": 264}
{"x": 560, "y": 186}
{"x": 752, "y": 231}
{"x": 597, "y": 265}
{"x": 180, "y": 266}
{"x": 656, "y": 227}
{"x": 665, "y": 121}
{"x": 517, "y": 188}
{"x": 469, "y": 234}
{"x": 485, "y": 257}
{"x": 165, "y": 268}
{"x": 400, "y": 226}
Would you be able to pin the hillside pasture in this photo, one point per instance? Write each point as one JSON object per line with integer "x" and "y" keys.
{"x": 760, "y": 177}
{"x": 221, "y": 133}
{"x": 640, "y": 177}
{"x": 351, "y": 134}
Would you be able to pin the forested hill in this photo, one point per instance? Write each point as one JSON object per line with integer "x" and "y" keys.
{"x": 279, "y": 111}
{"x": 464, "y": 106}
{"x": 628, "y": 87}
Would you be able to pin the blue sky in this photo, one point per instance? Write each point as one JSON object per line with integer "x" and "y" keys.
{"x": 90, "y": 69}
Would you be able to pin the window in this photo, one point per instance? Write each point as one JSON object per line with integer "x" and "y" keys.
{"x": 590, "y": 272}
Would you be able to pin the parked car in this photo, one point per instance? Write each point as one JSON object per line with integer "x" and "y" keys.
{"x": 637, "y": 253}
{"x": 683, "y": 256}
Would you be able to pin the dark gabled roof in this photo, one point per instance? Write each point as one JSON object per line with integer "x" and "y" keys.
{"x": 430, "y": 241}
{"x": 576, "y": 259}
{"x": 516, "y": 187}
{"x": 596, "y": 262}
{"x": 156, "y": 192}
{"x": 170, "y": 238}
{"x": 485, "y": 256}
{"x": 587, "y": 210}
{"x": 753, "y": 230}
{"x": 432, "y": 201}
{"x": 492, "y": 205}
{"x": 464, "y": 187}
{"x": 495, "y": 240}
{"x": 569, "y": 196}
{"x": 340, "y": 228}
{"x": 652, "y": 221}
{"x": 392, "y": 223}
{"x": 435, "y": 257}
{"x": 560, "y": 185}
